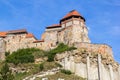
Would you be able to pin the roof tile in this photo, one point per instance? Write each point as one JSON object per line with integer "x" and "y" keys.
{"x": 17, "y": 31}
{"x": 3, "y": 34}
{"x": 72, "y": 13}
{"x": 29, "y": 35}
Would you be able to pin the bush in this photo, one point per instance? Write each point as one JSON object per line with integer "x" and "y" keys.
{"x": 21, "y": 56}
{"x": 39, "y": 54}
{"x": 59, "y": 49}
{"x": 68, "y": 72}
{"x": 7, "y": 53}
{"x": 5, "y": 73}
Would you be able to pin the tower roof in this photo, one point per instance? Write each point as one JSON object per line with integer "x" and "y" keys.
{"x": 71, "y": 14}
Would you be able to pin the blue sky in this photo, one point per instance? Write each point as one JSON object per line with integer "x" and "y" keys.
{"x": 102, "y": 17}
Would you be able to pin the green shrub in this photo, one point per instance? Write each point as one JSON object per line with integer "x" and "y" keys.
{"x": 59, "y": 49}
{"x": 39, "y": 54}
{"x": 6, "y": 73}
{"x": 68, "y": 72}
{"x": 21, "y": 56}
{"x": 7, "y": 53}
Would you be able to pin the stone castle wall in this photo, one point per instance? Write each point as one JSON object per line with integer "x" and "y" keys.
{"x": 100, "y": 48}
{"x": 15, "y": 42}
{"x": 2, "y": 49}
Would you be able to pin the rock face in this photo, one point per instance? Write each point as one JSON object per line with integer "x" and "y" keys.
{"x": 85, "y": 64}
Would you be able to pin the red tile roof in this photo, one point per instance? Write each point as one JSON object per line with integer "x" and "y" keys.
{"x": 29, "y": 35}
{"x": 54, "y": 26}
{"x": 72, "y": 13}
{"x": 17, "y": 31}
{"x": 3, "y": 34}
{"x": 37, "y": 41}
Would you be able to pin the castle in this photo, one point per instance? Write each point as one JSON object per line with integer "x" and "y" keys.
{"x": 71, "y": 31}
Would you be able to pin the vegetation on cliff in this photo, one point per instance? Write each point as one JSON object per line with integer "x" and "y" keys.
{"x": 21, "y": 56}
{"x": 23, "y": 60}
{"x": 59, "y": 49}
{"x": 29, "y": 55}
{"x": 5, "y": 73}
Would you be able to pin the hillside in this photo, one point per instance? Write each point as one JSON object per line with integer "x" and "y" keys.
{"x": 30, "y": 62}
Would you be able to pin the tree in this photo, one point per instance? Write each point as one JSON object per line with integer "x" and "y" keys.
{"x": 5, "y": 73}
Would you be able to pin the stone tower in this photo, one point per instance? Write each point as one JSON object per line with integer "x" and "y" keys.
{"x": 74, "y": 27}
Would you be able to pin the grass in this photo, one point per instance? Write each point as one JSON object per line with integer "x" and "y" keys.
{"x": 50, "y": 65}
{"x": 20, "y": 76}
{"x": 35, "y": 68}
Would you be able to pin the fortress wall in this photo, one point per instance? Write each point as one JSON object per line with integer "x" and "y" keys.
{"x": 16, "y": 42}
{"x": 51, "y": 38}
{"x": 80, "y": 34}
{"x": 41, "y": 45}
{"x": 72, "y": 34}
{"x": 2, "y": 49}
{"x": 66, "y": 35}
{"x": 100, "y": 48}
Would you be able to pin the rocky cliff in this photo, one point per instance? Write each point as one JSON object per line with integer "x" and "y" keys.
{"x": 92, "y": 65}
